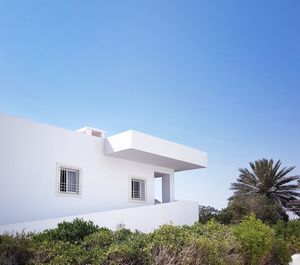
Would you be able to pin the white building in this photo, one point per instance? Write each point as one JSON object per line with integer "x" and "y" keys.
{"x": 50, "y": 174}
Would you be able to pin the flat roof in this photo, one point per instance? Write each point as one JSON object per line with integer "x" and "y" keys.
{"x": 147, "y": 149}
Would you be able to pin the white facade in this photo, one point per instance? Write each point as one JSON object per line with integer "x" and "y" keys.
{"x": 31, "y": 155}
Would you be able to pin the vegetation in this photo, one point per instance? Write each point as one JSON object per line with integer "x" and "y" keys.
{"x": 73, "y": 232}
{"x": 259, "y": 205}
{"x": 255, "y": 238}
{"x": 265, "y": 190}
{"x": 207, "y": 213}
{"x": 250, "y": 242}
{"x": 266, "y": 178}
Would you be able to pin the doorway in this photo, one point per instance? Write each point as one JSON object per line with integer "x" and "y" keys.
{"x": 162, "y": 188}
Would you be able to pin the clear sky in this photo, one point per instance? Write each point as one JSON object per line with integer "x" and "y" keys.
{"x": 221, "y": 76}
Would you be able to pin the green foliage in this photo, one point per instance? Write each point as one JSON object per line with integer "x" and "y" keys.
{"x": 279, "y": 253}
{"x": 210, "y": 243}
{"x": 73, "y": 232}
{"x": 268, "y": 179}
{"x": 222, "y": 237}
{"x": 201, "y": 250}
{"x": 170, "y": 237}
{"x": 255, "y": 238}
{"x": 15, "y": 249}
{"x": 120, "y": 247}
{"x": 290, "y": 232}
{"x": 243, "y": 206}
{"x": 122, "y": 235}
{"x": 207, "y": 213}
{"x": 249, "y": 242}
{"x": 131, "y": 250}
{"x": 103, "y": 238}
{"x": 60, "y": 252}
{"x": 288, "y": 229}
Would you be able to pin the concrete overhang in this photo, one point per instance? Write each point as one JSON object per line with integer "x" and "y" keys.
{"x": 147, "y": 149}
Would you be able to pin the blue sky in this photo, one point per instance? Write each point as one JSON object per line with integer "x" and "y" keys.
{"x": 221, "y": 76}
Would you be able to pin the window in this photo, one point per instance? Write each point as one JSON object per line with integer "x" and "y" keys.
{"x": 138, "y": 189}
{"x": 69, "y": 180}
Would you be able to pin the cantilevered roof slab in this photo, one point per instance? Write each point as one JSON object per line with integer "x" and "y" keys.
{"x": 147, "y": 149}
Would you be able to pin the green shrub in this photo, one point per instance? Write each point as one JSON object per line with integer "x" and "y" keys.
{"x": 98, "y": 243}
{"x": 121, "y": 253}
{"x": 103, "y": 238}
{"x": 198, "y": 250}
{"x": 250, "y": 242}
{"x": 122, "y": 235}
{"x": 255, "y": 238}
{"x": 207, "y": 213}
{"x": 169, "y": 237}
{"x": 288, "y": 229}
{"x": 222, "y": 237}
{"x": 15, "y": 249}
{"x": 263, "y": 209}
{"x": 290, "y": 232}
{"x": 201, "y": 250}
{"x": 211, "y": 229}
{"x": 279, "y": 253}
{"x": 60, "y": 252}
{"x": 131, "y": 250}
{"x": 210, "y": 243}
{"x": 73, "y": 232}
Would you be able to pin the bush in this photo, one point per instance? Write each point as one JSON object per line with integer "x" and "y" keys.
{"x": 122, "y": 235}
{"x": 259, "y": 205}
{"x": 201, "y": 250}
{"x": 290, "y": 232}
{"x": 250, "y": 242}
{"x": 169, "y": 237}
{"x": 222, "y": 237}
{"x": 198, "y": 250}
{"x": 255, "y": 238}
{"x": 210, "y": 243}
{"x": 60, "y": 252}
{"x": 73, "y": 232}
{"x": 120, "y": 247}
{"x": 131, "y": 251}
{"x": 279, "y": 253}
{"x": 207, "y": 213}
{"x": 15, "y": 249}
{"x": 103, "y": 238}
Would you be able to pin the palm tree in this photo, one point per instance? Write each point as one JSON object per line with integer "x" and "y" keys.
{"x": 268, "y": 179}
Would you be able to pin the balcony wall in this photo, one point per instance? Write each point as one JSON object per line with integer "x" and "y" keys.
{"x": 143, "y": 218}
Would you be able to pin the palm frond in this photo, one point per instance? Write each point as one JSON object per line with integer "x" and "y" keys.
{"x": 268, "y": 178}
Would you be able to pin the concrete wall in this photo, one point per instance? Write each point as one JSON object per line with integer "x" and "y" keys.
{"x": 295, "y": 259}
{"x": 143, "y": 219}
{"x": 29, "y": 153}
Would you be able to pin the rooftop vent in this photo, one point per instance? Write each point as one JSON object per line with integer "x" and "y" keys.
{"x": 92, "y": 132}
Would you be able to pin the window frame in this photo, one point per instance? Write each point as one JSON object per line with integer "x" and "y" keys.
{"x": 137, "y": 200}
{"x": 60, "y": 166}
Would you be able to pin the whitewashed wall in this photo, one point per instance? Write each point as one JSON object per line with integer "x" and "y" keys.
{"x": 295, "y": 259}
{"x": 143, "y": 219}
{"x": 29, "y": 152}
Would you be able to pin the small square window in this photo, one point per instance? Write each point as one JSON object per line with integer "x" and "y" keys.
{"x": 68, "y": 180}
{"x": 138, "y": 189}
